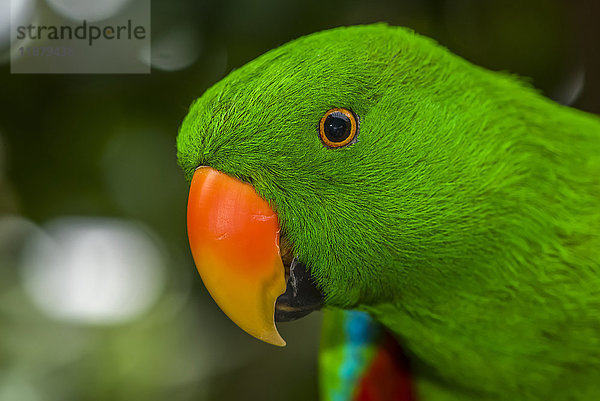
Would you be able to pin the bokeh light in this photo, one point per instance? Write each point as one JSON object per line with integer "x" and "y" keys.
{"x": 90, "y": 10}
{"x": 91, "y": 270}
{"x": 4, "y": 25}
{"x": 14, "y": 387}
{"x": 17, "y": 12}
{"x": 176, "y": 49}
{"x": 571, "y": 87}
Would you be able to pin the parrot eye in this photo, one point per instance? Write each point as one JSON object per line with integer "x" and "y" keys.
{"x": 338, "y": 127}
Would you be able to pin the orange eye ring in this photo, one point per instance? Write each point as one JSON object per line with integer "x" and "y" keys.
{"x": 338, "y": 127}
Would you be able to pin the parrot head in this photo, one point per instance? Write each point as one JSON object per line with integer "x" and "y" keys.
{"x": 298, "y": 163}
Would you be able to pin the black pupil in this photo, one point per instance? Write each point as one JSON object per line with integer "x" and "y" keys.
{"x": 337, "y": 127}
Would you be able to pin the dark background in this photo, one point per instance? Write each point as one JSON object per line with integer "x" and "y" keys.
{"x": 103, "y": 147}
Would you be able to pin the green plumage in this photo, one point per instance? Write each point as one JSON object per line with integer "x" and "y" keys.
{"x": 466, "y": 217}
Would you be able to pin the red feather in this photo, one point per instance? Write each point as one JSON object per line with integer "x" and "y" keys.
{"x": 388, "y": 377}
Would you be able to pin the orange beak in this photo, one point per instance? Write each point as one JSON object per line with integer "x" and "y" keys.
{"x": 234, "y": 237}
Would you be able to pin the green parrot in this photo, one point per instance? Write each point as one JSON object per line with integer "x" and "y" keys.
{"x": 444, "y": 216}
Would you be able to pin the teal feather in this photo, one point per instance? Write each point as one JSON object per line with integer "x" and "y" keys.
{"x": 349, "y": 343}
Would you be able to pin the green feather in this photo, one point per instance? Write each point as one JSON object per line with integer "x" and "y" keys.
{"x": 465, "y": 218}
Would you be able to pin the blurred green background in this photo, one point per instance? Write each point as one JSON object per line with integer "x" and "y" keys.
{"x": 99, "y": 297}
